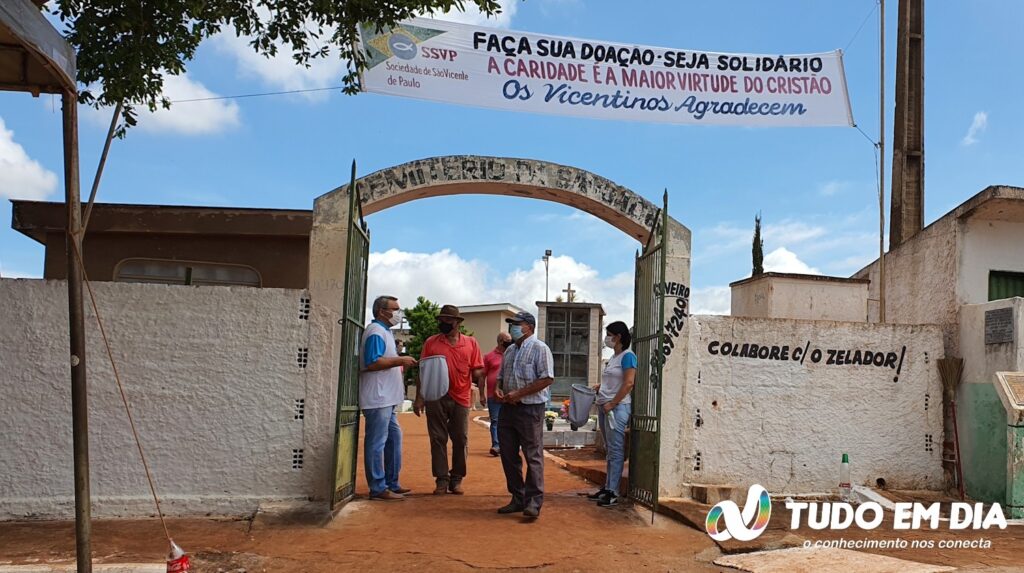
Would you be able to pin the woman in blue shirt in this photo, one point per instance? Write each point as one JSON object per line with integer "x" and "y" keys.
{"x": 614, "y": 408}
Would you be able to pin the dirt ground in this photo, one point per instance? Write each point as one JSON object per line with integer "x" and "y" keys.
{"x": 440, "y": 533}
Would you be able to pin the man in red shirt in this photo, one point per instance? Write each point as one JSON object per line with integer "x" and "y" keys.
{"x": 449, "y": 416}
{"x": 492, "y": 365}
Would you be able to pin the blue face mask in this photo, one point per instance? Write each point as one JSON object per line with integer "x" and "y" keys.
{"x": 516, "y": 331}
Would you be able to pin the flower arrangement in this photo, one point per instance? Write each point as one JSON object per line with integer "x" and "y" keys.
{"x": 549, "y": 419}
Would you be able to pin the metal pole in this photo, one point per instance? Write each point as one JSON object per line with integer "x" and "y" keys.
{"x": 99, "y": 168}
{"x": 76, "y": 323}
{"x": 881, "y": 161}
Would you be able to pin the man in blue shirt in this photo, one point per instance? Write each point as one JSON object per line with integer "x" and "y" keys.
{"x": 381, "y": 390}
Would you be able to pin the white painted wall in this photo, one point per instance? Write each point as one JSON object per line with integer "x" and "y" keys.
{"x": 803, "y": 299}
{"x": 921, "y": 281}
{"x": 988, "y": 246}
{"x": 784, "y": 424}
{"x": 212, "y": 376}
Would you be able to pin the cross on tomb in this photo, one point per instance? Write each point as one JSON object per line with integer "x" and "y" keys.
{"x": 570, "y": 293}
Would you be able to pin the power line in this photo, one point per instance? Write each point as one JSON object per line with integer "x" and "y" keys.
{"x": 240, "y": 96}
{"x": 861, "y": 27}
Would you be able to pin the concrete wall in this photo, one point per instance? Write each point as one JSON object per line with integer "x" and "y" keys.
{"x": 988, "y": 246}
{"x": 804, "y": 298}
{"x": 785, "y": 422}
{"x": 981, "y": 416}
{"x": 921, "y": 281}
{"x": 212, "y": 376}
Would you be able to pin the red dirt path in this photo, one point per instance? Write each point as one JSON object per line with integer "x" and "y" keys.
{"x": 441, "y": 533}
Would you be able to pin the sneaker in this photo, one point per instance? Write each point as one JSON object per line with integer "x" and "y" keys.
{"x": 455, "y": 488}
{"x": 597, "y": 494}
{"x": 402, "y": 490}
{"x": 494, "y": 452}
{"x": 512, "y": 507}
{"x": 387, "y": 495}
{"x": 608, "y": 500}
{"x": 441, "y": 488}
{"x": 531, "y": 512}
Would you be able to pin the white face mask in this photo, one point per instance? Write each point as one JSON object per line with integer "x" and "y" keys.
{"x": 609, "y": 341}
{"x": 396, "y": 317}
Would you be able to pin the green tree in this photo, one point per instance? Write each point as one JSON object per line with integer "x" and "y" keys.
{"x": 125, "y": 48}
{"x": 758, "y": 249}
{"x": 422, "y": 320}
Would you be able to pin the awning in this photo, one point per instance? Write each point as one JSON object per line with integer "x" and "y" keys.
{"x": 33, "y": 56}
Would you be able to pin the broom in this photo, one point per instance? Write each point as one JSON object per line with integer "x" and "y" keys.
{"x": 950, "y": 369}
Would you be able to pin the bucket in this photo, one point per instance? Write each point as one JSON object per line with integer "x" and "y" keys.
{"x": 433, "y": 377}
{"x": 580, "y": 401}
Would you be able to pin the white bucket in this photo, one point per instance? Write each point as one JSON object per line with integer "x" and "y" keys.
{"x": 433, "y": 377}
{"x": 581, "y": 401}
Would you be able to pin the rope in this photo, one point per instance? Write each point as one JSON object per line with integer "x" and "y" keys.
{"x": 120, "y": 387}
{"x": 855, "y": 34}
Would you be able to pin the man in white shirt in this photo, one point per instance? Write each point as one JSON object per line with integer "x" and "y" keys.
{"x": 381, "y": 390}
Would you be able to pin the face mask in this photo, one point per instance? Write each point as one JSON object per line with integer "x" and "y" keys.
{"x": 445, "y": 327}
{"x": 396, "y": 317}
{"x": 609, "y": 341}
{"x": 516, "y": 331}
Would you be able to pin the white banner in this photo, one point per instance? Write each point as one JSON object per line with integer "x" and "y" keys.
{"x": 501, "y": 69}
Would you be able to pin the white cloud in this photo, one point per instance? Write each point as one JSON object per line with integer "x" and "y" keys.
{"x": 474, "y": 17}
{"x": 833, "y": 187}
{"x": 280, "y": 71}
{"x": 22, "y": 177}
{"x": 978, "y": 125}
{"x": 727, "y": 237}
{"x": 782, "y": 260}
{"x": 446, "y": 278}
{"x": 7, "y": 273}
{"x": 711, "y": 300}
{"x": 186, "y": 118}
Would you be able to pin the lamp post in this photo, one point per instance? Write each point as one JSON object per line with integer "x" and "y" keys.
{"x": 547, "y": 257}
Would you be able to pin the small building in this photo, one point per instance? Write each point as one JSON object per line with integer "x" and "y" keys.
{"x": 965, "y": 272}
{"x": 485, "y": 321}
{"x": 575, "y": 333}
{"x": 177, "y": 245}
{"x": 799, "y": 296}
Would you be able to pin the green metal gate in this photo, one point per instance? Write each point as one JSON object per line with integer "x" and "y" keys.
{"x": 353, "y": 311}
{"x": 648, "y": 339}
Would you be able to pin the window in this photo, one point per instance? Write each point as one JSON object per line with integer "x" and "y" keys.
{"x": 568, "y": 334}
{"x": 185, "y": 273}
{"x": 1004, "y": 284}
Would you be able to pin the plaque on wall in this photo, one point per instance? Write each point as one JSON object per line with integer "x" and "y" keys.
{"x": 999, "y": 325}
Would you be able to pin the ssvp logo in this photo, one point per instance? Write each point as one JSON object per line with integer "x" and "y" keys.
{"x": 756, "y": 512}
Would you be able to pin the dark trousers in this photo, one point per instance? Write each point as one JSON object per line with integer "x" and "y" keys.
{"x": 446, "y": 419}
{"x": 522, "y": 426}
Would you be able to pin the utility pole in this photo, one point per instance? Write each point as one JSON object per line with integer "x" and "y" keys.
{"x": 76, "y": 322}
{"x": 547, "y": 257}
{"x": 881, "y": 161}
{"x": 907, "y": 191}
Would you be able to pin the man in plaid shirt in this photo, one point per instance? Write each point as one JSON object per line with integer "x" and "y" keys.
{"x": 527, "y": 370}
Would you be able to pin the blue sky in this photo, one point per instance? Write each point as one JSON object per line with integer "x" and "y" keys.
{"x": 815, "y": 187}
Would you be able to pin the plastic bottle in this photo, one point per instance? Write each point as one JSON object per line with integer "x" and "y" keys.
{"x": 177, "y": 560}
{"x": 844, "y": 478}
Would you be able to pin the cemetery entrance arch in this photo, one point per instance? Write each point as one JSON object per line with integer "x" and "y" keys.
{"x": 332, "y": 266}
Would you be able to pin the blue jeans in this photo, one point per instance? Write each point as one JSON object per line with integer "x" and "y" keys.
{"x": 613, "y": 427}
{"x": 382, "y": 449}
{"x": 494, "y": 412}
